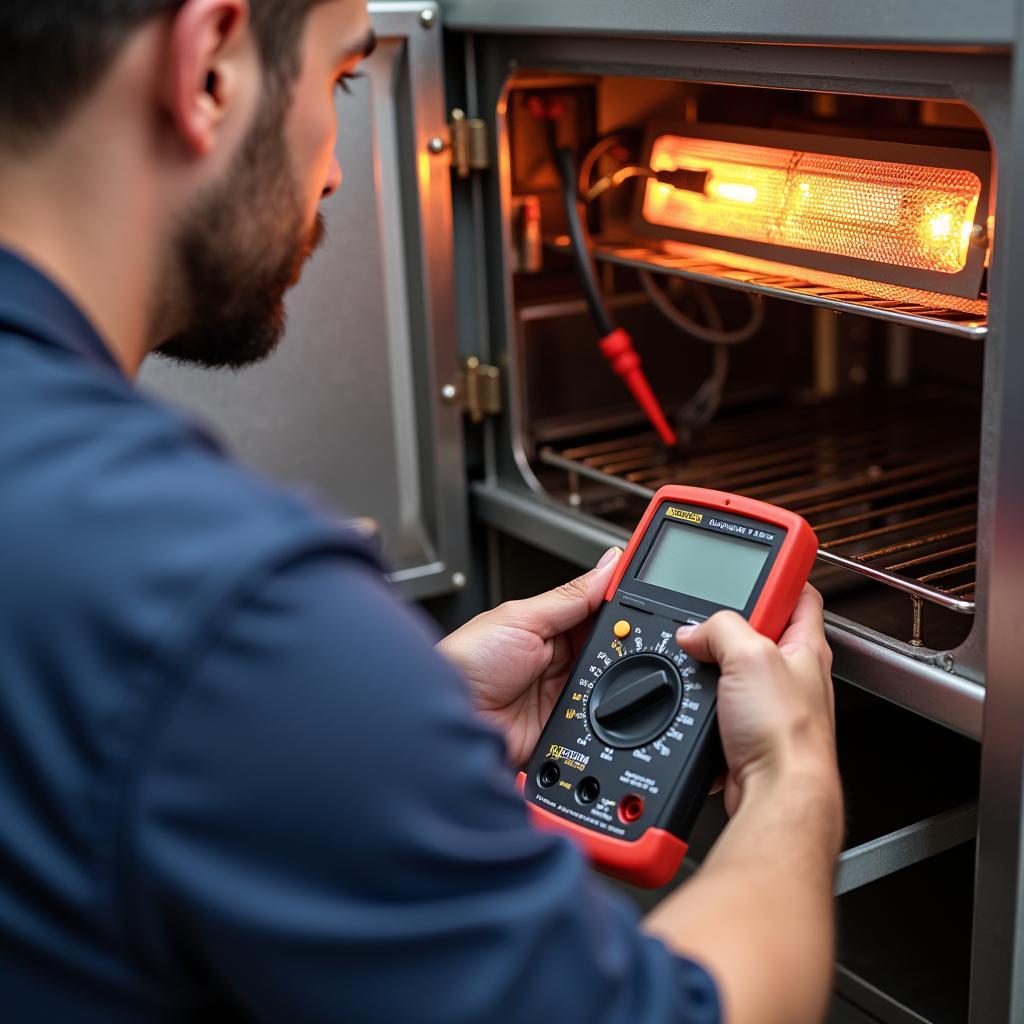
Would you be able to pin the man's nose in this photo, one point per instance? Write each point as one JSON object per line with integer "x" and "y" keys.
{"x": 334, "y": 177}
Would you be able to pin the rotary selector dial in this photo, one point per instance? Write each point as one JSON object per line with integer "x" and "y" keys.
{"x": 636, "y": 700}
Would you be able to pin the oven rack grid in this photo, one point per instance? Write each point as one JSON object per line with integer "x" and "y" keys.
{"x": 889, "y": 484}
{"x": 927, "y": 310}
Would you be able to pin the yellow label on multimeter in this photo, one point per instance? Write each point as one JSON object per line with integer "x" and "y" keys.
{"x": 682, "y": 513}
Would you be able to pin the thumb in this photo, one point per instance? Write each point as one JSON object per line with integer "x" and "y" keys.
{"x": 559, "y": 610}
{"x": 726, "y": 638}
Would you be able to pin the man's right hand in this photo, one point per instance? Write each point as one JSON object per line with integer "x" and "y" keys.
{"x": 776, "y": 712}
{"x": 758, "y": 914}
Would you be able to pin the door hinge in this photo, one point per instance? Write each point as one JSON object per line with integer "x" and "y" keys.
{"x": 469, "y": 143}
{"x": 478, "y": 390}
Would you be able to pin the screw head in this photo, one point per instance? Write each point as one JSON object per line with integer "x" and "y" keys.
{"x": 449, "y": 393}
{"x": 459, "y": 580}
{"x": 428, "y": 18}
{"x": 437, "y": 145}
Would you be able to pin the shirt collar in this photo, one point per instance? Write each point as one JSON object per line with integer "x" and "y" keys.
{"x": 33, "y": 306}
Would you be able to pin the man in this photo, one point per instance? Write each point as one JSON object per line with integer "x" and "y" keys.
{"x": 236, "y": 780}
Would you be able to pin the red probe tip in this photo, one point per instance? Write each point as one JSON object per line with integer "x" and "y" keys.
{"x": 617, "y": 348}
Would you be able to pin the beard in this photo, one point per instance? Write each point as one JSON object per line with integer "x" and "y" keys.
{"x": 239, "y": 251}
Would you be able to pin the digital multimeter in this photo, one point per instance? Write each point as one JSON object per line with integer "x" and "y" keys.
{"x": 631, "y": 749}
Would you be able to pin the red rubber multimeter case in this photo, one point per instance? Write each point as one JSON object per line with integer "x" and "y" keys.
{"x": 628, "y": 789}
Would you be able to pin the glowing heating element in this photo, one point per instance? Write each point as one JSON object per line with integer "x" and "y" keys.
{"x": 899, "y": 214}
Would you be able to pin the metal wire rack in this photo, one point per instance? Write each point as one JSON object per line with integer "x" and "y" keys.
{"x": 888, "y": 481}
{"x": 943, "y": 313}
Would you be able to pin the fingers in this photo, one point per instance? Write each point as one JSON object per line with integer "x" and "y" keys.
{"x": 807, "y": 620}
{"x": 807, "y": 629}
{"x": 726, "y": 638}
{"x": 560, "y": 610}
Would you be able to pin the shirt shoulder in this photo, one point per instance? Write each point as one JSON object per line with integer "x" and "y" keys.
{"x": 126, "y": 535}
{"x": 128, "y": 512}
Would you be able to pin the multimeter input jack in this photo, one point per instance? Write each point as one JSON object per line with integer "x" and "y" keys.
{"x": 548, "y": 774}
{"x": 631, "y": 806}
{"x": 588, "y": 790}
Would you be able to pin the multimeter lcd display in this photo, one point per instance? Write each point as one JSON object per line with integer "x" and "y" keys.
{"x": 707, "y": 565}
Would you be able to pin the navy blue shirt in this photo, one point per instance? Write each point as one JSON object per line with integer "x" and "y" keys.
{"x": 236, "y": 781}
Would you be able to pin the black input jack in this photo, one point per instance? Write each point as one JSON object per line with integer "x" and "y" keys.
{"x": 548, "y": 774}
{"x": 588, "y": 790}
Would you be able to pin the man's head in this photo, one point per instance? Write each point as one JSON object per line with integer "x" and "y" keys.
{"x": 237, "y": 97}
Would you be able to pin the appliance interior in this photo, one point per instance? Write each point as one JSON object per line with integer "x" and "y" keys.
{"x": 855, "y": 400}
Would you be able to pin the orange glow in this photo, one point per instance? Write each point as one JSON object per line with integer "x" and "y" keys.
{"x": 737, "y": 267}
{"x": 733, "y": 191}
{"x": 899, "y": 214}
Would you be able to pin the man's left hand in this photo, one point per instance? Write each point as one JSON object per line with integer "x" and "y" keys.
{"x": 516, "y": 657}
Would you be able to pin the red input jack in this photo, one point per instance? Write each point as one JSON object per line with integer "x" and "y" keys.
{"x": 631, "y": 807}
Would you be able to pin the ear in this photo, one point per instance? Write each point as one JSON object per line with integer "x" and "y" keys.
{"x": 206, "y": 68}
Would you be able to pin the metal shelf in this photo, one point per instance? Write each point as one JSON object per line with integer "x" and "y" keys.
{"x": 892, "y": 494}
{"x": 890, "y": 853}
{"x": 931, "y": 311}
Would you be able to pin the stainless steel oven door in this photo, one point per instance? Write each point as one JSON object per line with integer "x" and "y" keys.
{"x": 349, "y": 403}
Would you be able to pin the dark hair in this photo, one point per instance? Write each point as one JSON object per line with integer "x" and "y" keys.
{"x": 54, "y": 53}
